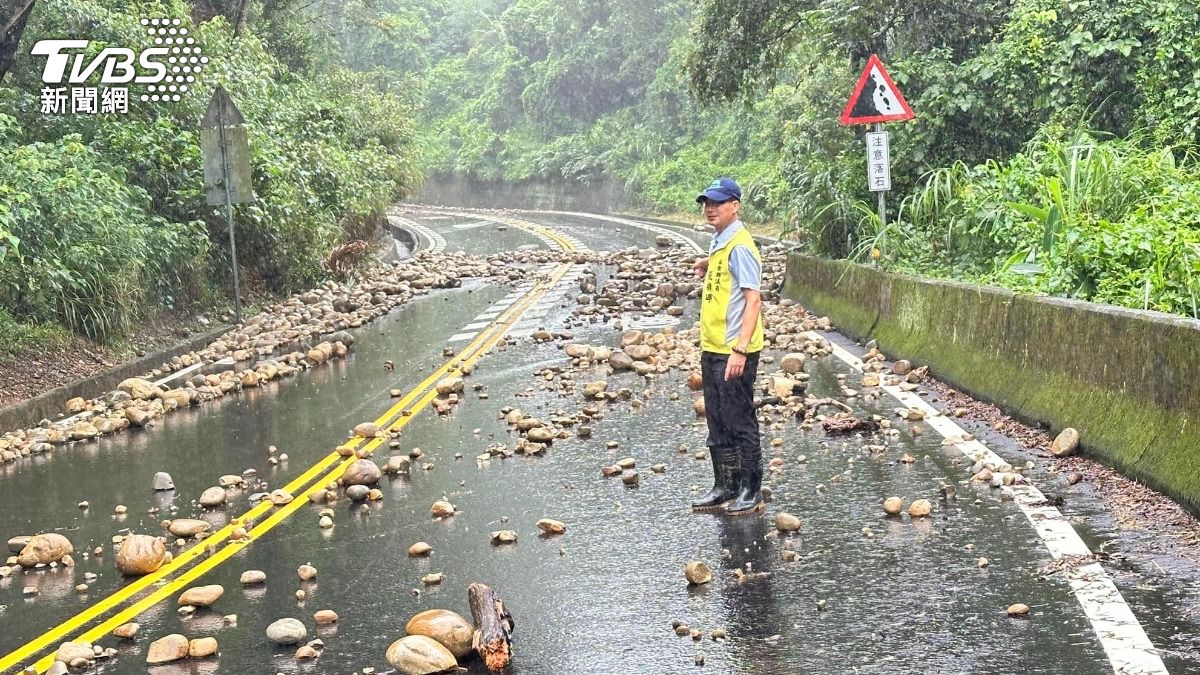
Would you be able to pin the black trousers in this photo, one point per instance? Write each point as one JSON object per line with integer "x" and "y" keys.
{"x": 729, "y": 405}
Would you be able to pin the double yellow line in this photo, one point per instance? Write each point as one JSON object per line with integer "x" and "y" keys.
{"x": 316, "y": 478}
{"x": 547, "y": 232}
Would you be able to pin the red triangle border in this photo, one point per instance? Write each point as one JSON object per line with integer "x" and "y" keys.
{"x": 846, "y": 119}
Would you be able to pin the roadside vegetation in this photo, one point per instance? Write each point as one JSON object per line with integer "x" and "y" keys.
{"x": 103, "y": 219}
{"x": 1055, "y": 149}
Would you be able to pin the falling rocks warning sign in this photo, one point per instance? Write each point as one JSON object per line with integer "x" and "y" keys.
{"x": 876, "y": 98}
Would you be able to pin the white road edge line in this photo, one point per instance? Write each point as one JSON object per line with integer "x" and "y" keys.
{"x": 1128, "y": 647}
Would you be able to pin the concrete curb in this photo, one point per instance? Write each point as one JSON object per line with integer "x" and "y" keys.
{"x": 50, "y": 405}
{"x": 1127, "y": 380}
{"x": 411, "y": 240}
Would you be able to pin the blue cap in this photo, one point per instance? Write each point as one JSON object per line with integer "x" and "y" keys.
{"x": 721, "y": 190}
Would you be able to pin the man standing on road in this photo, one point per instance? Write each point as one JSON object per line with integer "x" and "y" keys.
{"x": 731, "y": 338}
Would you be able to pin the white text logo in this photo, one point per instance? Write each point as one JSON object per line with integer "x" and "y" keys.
{"x": 167, "y": 69}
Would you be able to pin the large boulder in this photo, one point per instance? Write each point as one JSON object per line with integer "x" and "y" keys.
{"x": 784, "y": 387}
{"x": 44, "y": 549}
{"x": 286, "y": 632}
{"x": 141, "y": 554}
{"x": 181, "y": 397}
{"x": 140, "y": 389}
{"x": 213, "y": 496}
{"x": 633, "y": 337}
{"x": 83, "y": 431}
{"x": 138, "y": 417}
{"x": 202, "y": 647}
{"x": 1066, "y": 443}
{"x": 188, "y": 527}
{"x": 450, "y": 629}
{"x": 792, "y": 363}
{"x": 69, "y": 651}
{"x": 640, "y": 352}
{"x": 595, "y": 389}
{"x": 362, "y": 472}
{"x": 449, "y": 385}
{"x": 540, "y": 435}
{"x": 165, "y": 650}
{"x": 577, "y": 351}
{"x": 420, "y": 655}
{"x": 201, "y": 596}
{"x": 620, "y": 361}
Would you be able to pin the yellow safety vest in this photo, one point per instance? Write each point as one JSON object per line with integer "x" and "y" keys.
{"x": 718, "y": 290}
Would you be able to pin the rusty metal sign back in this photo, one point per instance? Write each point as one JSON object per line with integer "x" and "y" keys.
{"x": 226, "y": 150}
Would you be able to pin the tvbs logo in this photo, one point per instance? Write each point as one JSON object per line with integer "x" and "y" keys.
{"x": 167, "y": 68}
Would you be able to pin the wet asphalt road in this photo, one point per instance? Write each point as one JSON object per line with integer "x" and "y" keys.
{"x": 601, "y": 598}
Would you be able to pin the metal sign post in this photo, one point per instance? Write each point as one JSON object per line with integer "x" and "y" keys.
{"x": 879, "y": 167}
{"x": 226, "y": 151}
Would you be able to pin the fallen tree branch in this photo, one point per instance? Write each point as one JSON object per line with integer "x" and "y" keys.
{"x": 812, "y": 406}
{"x": 845, "y": 425}
{"x": 493, "y": 637}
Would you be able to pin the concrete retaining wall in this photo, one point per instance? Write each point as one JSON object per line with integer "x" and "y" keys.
{"x": 1128, "y": 380}
{"x": 50, "y": 404}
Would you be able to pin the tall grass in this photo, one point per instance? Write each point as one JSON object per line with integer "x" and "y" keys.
{"x": 1077, "y": 215}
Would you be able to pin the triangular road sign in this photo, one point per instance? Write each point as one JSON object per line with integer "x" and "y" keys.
{"x": 876, "y": 98}
{"x": 221, "y": 109}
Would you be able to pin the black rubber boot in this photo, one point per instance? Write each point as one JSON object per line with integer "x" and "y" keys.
{"x": 749, "y": 497}
{"x": 725, "y": 474}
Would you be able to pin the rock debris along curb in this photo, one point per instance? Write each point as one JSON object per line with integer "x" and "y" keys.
{"x": 50, "y": 403}
{"x": 1125, "y": 642}
{"x": 319, "y": 318}
{"x": 1022, "y": 352}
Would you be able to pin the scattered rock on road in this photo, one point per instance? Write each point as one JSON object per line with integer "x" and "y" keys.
{"x": 167, "y": 649}
{"x": 786, "y": 522}
{"x": 420, "y": 655}
{"x": 44, "y": 549}
{"x": 286, "y": 632}
{"x": 201, "y": 596}
{"x": 920, "y": 508}
{"x": 163, "y": 481}
{"x": 141, "y": 554}
{"x": 449, "y": 629}
{"x": 697, "y": 573}
{"x": 1066, "y": 443}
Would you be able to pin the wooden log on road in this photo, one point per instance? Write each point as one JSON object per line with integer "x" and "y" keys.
{"x": 811, "y": 406}
{"x": 848, "y": 424}
{"x": 493, "y": 634}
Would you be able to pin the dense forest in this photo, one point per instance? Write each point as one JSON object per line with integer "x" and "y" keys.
{"x": 1054, "y": 148}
